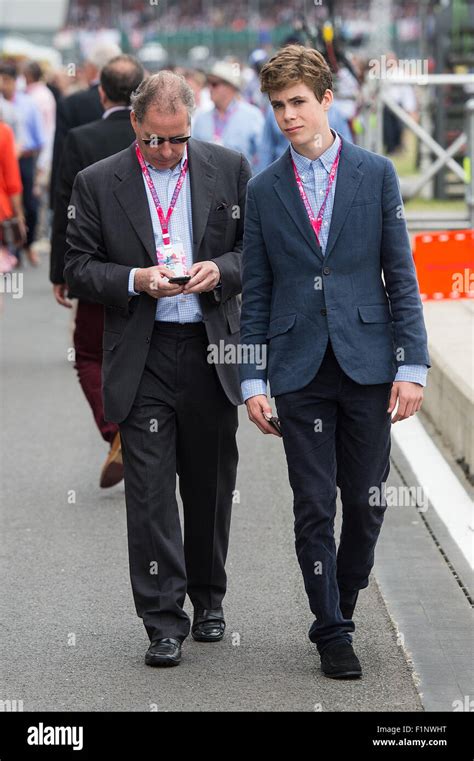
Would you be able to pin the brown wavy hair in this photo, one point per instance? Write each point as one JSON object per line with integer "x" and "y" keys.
{"x": 293, "y": 64}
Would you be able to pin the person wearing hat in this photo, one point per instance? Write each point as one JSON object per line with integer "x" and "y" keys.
{"x": 232, "y": 122}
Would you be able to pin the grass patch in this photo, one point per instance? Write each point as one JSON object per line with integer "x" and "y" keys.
{"x": 424, "y": 204}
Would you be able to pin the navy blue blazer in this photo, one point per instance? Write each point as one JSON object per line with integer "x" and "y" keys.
{"x": 363, "y": 293}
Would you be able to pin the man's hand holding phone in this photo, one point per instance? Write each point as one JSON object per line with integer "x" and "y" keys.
{"x": 260, "y": 412}
{"x": 204, "y": 277}
{"x": 155, "y": 282}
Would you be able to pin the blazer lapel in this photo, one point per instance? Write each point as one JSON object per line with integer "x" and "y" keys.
{"x": 288, "y": 193}
{"x": 203, "y": 179}
{"x": 347, "y": 182}
{"x": 132, "y": 197}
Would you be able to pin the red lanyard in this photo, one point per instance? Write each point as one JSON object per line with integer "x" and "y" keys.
{"x": 316, "y": 222}
{"x": 164, "y": 221}
{"x": 220, "y": 122}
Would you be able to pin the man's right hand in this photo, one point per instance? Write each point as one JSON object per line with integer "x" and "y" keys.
{"x": 60, "y": 294}
{"x": 154, "y": 281}
{"x": 257, "y": 408}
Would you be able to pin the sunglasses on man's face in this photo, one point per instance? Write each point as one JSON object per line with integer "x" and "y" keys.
{"x": 154, "y": 141}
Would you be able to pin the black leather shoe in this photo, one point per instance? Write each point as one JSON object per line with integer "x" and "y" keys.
{"x": 339, "y": 661}
{"x": 208, "y": 624}
{"x": 164, "y": 652}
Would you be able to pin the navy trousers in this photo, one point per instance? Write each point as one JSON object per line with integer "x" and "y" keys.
{"x": 30, "y": 201}
{"x": 336, "y": 433}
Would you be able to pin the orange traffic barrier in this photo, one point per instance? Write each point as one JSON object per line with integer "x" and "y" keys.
{"x": 444, "y": 264}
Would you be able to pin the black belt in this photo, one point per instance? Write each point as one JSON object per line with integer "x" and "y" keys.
{"x": 180, "y": 329}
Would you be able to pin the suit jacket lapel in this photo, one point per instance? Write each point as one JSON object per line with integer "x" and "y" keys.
{"x": 132, "y": 197}
{"x": 347, "y": 182}
{"x": 203, "y": 178}
{"x": 287, "y": 190}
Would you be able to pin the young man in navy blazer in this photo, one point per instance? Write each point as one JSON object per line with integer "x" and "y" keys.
{"x": 330, "y": 292}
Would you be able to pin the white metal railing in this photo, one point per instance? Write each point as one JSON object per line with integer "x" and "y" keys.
{"x": 443, "y": 156}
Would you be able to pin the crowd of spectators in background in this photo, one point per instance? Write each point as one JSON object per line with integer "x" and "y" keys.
{"x": 230, "y": 109}
{"x": 238, "y": 16}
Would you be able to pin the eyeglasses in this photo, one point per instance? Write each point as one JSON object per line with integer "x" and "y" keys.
{"x": 180, "y": 140}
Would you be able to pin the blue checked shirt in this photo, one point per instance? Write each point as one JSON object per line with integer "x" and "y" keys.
{"x": 181, "y": 308}
{"x": 314, "y": 176}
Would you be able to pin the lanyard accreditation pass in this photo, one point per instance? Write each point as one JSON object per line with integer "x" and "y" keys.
{"x": 220, "y": 123}
{"x": 316, "y": 222}
{"x": 164, "y": 221}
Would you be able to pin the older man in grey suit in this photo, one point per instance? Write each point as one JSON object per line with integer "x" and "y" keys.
{"x": 168, "y": 208}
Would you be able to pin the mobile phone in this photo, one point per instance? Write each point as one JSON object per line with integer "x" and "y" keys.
{"x": 180, "y": 280}
{"x": 275, "y": 423}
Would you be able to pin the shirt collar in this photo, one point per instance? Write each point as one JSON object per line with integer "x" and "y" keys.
{"x": 327, "y": 158}
{"x": 177, "y": 169}
{"x": 229, "y": 108}
{"x": 113, "y": 109}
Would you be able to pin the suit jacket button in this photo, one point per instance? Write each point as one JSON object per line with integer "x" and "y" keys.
{"x": 324, "y": 312}
{"x": 326, "y": 270}
{"x": 147, "y": 340}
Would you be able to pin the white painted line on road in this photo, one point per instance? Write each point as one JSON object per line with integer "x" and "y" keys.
{"x": 441, "y": 487}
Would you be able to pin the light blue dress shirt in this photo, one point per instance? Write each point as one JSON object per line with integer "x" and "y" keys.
{"x": 243, "y": 131}
{"x": 182, "y": 308}
{"x": 30, "y": 119}
{"x": 314, "y": 176}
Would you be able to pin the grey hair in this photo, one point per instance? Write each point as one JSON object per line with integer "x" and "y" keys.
{"x": 102, "y": 53}
{"x": 166, "y": 91}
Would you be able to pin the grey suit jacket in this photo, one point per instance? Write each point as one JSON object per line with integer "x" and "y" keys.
{"x": 363, "y": 293}
{"x": 112, "y": 232}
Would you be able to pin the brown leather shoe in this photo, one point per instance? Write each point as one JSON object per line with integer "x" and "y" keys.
{"x": 32, "y": 256}
{"x": 112, "y": 472}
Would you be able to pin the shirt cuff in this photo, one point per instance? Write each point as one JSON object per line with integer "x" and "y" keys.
{"x": 412, "y": 373}
{"x": 131, "y": 282}
{"x": 218, "y": 288}
{"x": 253, "y": 387}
